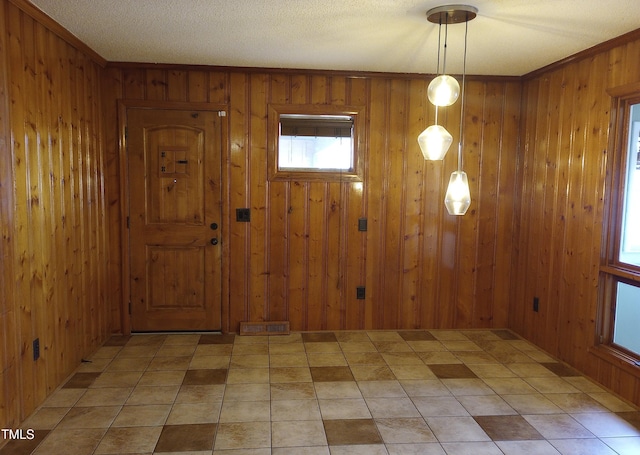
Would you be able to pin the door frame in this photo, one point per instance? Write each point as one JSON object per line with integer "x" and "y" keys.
{"x": 222, "y": 110}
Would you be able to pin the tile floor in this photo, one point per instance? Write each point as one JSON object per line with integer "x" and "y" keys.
{"x": 431, "y": 392}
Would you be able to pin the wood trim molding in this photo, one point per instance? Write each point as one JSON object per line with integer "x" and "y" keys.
{"x": 64, "y": 34}
{"x": 597, "y": 49}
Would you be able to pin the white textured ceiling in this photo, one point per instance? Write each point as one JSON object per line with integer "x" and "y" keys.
{"x": 509, "y": 37}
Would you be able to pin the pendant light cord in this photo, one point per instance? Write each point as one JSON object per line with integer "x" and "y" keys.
{"x": 462, "y": 97}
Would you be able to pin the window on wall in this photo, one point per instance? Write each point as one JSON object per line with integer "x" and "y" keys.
{"x": 620, "y": 268}
{"x": 315, "y": 142}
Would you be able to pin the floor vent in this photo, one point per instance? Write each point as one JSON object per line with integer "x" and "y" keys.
{"x": 264, "y": 328}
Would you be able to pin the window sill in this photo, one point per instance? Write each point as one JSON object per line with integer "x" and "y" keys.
{"x": 618, "y": 358}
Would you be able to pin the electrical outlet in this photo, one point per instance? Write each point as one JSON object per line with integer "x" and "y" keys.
{"x": 243, "y": 215}
{"x": 36, "y": 349}
{"x": 536, "y": 304}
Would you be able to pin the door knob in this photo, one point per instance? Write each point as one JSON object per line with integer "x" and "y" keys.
{"x": 214, "y": 241}
{"x": 213, "y": 226}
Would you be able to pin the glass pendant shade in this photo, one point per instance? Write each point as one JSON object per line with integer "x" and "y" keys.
{"x": 458, "y": 198}
{"x": 434, "y": 142}
{"x": 443, "y": 90}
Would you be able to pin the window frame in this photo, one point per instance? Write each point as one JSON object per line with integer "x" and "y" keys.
{"x": 612, "y": 269}
{"x": 275, "y": 173}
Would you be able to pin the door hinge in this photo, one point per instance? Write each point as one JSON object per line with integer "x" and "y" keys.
{"x": 126, "y": 132}
{"x": 128, "y": 222}
{"x": 129, "y": 307}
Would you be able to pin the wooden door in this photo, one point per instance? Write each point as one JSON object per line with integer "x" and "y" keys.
{"x": 174, "y": 228}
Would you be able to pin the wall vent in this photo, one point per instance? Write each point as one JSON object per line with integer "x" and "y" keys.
{"x": 264, "y": 328}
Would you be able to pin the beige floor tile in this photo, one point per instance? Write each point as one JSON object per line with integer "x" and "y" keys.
{"x": 510, "y": 386}
{"x": 405, "y": 430}
{"x": 485, "y": 405}
{"x": 575, "y": 402}
{"x": 438, "y": 357}
{"x": 137, "y": 351}
{"x": 129, "y": 364}
{"x": 344, "y": 408}
{"x": 176, "y": 350}
{"x": 152, "y": 415}
{"x": 611, "y": 402}
{"x": 381, "y": 389}
{"x": 442, "y": 406}
{"x": 71, "y": 442}
{"x": 90, "y": 417}
{"x": 295, "y": 410}
{"x": 200, "y": 393}
{"x": 108, "y": 396}
{"x": 178, "y": 363}
{"x": 333, "y": 390}
{"x": 425, "y": 448}
{"x": 294, "y": 360}
{"x": 357, "y": 346}
{"x": 250, "y": 349}
{"x": 246, "y": 392}
{"x": 460, "y": 345}
{"x": 364, "y": 358}
{"x": 623, "y": 445}
{"x": 190, "y": 413}
{"x": 381, "y": 408}
{"x": 117, "y": 379}
{"x": 359, "y": 449}
{"x": 412, "y": 372}
{"x": 531, "y": 370}
{"x": 317, "y": 450}
{"x": 129, "y": 440}
{"x": 527, "y": 448}
{"x": 210, "y": 362}
{"x": 582, "y": 446}
{"x": 402, "y": 358}
{"x": 551, "y": 385}
{"x": 606, "y": 425}
{"x": 292, "y": 391}
{"x": 424, "y": 388}
{"x": 45, "y": 418}
{"x": 245, "y": 411}
{"x": 427, "y": 346}
{"x": 153, "y": 395}
{"x": 372, "y": 373}
{"x": 531, "y": 403}
{"x": 326, "y": 359}
{"x": 286, "y": 348}
{"x": 558, "y": 426}
{"x": 490, "y": 370}
{"x": 249, "y": 361}
{"x": 181, "y": 339}
{"x": 243, "y": 435}
{"x": 456, "y": 429}
{"x": 165, "y": 378}
{"x": 289, "y": 375}
{"x": 297, "y": 433}
{"x": 467, "y": 386}
{"x": 248, "y": 376}
{"x": 323, "y": 347}
{"x": 472, "y": 448}
{"x": 64, "y": 398}
{"x": 213, "y": 349}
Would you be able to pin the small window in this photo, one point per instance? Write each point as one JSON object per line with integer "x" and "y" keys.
{"x": 314, "y": 142}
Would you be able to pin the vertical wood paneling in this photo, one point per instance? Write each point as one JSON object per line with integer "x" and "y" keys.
{"x": 564, "y": 142}
{"x": 55, "y": 255}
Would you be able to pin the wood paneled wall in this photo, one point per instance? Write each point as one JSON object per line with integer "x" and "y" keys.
{"x": 301, "y": 257}
{"x": 53, "y": 280}
{"x": 566, "y": 115}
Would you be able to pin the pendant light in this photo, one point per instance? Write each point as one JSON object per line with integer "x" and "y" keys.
{"x": 435, "y": 140}
{"x": 458, "y": 198}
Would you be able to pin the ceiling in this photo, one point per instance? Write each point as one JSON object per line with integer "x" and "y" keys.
{"x": 509, "y": 37}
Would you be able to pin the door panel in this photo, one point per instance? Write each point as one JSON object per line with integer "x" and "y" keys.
{"x": 174, "y": 201}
